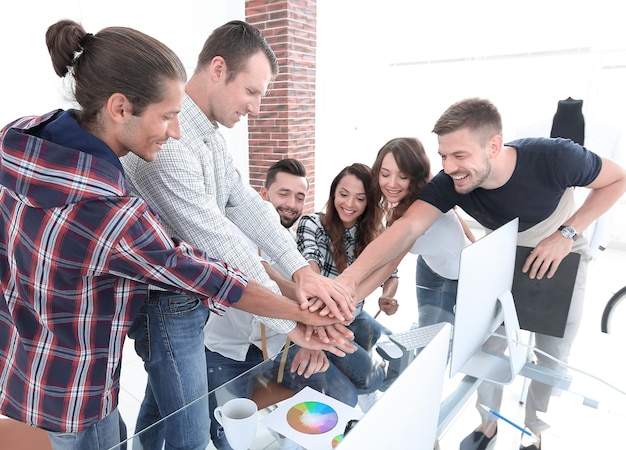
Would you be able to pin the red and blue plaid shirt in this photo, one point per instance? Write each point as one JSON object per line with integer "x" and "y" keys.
{"x": 77, "y": 254}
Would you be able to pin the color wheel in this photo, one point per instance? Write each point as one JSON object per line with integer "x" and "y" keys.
{"x": 312, "y": 417}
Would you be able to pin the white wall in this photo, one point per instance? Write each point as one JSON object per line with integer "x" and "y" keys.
{"x": 28, "y": 84}
{"x": 392, "y": 68}
{"x": 385, "y": 69}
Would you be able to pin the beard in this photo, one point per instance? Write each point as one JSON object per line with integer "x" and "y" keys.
{"x": 288, "y": 222}
{"x": 478, "y": 178}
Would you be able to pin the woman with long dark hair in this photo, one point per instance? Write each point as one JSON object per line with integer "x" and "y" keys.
{"x": 331, "y": 241}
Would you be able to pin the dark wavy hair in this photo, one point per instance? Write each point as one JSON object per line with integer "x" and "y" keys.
{"x": 411, "y": 159}
{"x": 368, "y": 224}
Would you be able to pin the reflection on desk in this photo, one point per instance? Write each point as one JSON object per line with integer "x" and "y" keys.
{"x": 589, "y": 413}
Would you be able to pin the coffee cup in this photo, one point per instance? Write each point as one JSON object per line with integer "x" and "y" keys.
{"x": 239, "y": 419}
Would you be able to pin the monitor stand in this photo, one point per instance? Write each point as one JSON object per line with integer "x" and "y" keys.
{"x": 495, "y": 367}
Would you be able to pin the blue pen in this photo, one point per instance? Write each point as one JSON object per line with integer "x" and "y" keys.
{"x": 500, "y": 416}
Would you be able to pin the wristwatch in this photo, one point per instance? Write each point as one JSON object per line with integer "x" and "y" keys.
{"x": 568, "y": 232}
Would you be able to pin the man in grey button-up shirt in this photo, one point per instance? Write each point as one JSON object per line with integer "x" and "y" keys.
{"x": 194, "y": 187}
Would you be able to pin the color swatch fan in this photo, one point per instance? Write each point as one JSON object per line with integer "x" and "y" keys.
{"x": 311, "y": 419}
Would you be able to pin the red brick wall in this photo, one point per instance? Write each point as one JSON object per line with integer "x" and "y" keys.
{"x": 285, "y": 127}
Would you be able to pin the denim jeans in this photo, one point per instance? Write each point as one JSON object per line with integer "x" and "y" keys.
{"x": 168, "y": 334}
{"x": 102, "y": 435}
{"x": 222, "y": 369}
{"x": 436, "y": 295}
{"x": 364, "y": 372}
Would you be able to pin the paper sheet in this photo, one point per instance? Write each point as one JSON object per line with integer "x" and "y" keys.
{"x": 313, "y": 420}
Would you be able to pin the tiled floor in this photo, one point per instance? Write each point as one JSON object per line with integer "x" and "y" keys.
{"x": 574, "y": 425}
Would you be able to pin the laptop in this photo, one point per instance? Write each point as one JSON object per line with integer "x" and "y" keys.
{"x": 543, "y": 305}
{"x": 407, "y": 414}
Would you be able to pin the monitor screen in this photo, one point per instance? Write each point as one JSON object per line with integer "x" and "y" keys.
{"x": 407, "y": 414}
{"x": 483, "y": 302}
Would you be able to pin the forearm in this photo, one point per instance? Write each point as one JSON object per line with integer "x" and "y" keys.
{"x": 371, "y": 283}
{"x": 390, "y": 287}
{"x": 287, "y": 287}
{"x": 260, "y": 301}
{"x": 597, "y": 203}
{"x": 606, "y": 190}
{"x": 390, "y": 246}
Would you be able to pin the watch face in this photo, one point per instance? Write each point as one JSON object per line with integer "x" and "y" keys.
{"x": 568, "y": 232}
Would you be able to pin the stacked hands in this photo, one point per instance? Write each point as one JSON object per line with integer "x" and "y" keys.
{"x": 330, "y": 307}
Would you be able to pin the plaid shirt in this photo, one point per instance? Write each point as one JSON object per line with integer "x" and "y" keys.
{"x": 314, "y": 244}
{"x": 76, "y": 256}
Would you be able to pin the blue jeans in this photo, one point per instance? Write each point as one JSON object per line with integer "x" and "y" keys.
{"x": 102, "y": 435}
{"x": 168, "y": 334}
{"x": 436, "y": 295}
{"x": 360, "y": 368}
{"x": 222, "y": 369}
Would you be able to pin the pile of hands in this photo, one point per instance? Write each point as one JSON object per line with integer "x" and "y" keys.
{"x": 330, "y": 308}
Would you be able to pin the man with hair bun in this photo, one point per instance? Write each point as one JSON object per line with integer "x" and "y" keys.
{"x": 77, "y": 252}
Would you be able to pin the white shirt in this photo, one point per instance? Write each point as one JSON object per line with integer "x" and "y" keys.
{"x": 441, "y": 245}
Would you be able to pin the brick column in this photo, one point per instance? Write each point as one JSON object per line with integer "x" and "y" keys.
{"x": 285, "y": 127}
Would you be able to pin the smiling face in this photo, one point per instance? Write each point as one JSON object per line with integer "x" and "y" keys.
{"x": 465, "y": 160}
{"x": 393, "y": 183}
{"x": 350, "y": 200}
{"x": 287, "y": 193}
{"x": 145, "y": 135}
{"x": 235, "y": 98}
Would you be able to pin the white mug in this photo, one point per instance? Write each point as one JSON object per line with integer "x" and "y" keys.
{"x": 239, "y": 419}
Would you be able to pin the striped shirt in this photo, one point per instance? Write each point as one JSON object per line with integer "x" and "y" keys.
{"x": 76, "y": 256}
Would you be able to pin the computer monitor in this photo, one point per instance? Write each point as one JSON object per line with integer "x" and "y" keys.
{"x": 483, "y": 302}
{"x": 407, "y": 414}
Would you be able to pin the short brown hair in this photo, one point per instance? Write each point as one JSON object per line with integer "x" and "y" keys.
{"x": 236, "y": 41}
{"x": 477, "y": 114}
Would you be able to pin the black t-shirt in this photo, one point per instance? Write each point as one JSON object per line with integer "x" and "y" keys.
{"x": 545, "y": 168}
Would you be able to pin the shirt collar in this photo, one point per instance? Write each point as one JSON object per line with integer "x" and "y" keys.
{"x": 65, "y": 130}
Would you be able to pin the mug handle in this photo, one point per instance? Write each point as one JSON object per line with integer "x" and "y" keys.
{"x": 217, "y": 413}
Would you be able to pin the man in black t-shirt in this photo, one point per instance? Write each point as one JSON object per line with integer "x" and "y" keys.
{"x": 532, "y": 179}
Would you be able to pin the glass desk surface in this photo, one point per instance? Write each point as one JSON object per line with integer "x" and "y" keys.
{"x": 590, "y": 411}
{"x": 589, "y": 415}
{"x": 259, "y": 376}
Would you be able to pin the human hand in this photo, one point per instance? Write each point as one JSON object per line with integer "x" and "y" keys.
{"x": 330, "y": 333}
{"x": 318, "y": 293}
{"x": 315, "y": 304}
{"x": 315, "y": 320}
{"x": 308, "y": 362}
{"x": 388, "y": 305}
{"x": 545, "y": 258}
{"x": 337, "y": 347}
